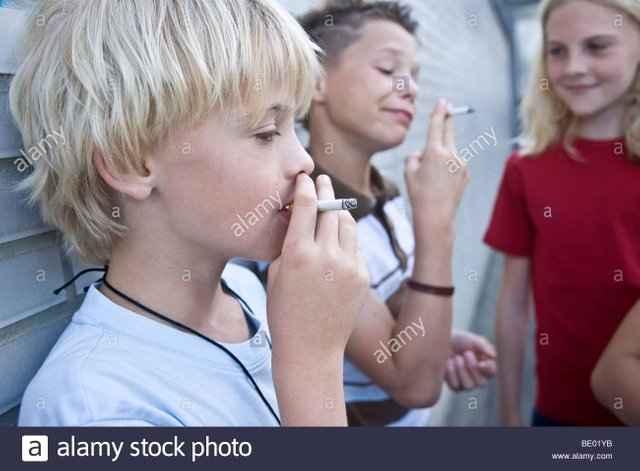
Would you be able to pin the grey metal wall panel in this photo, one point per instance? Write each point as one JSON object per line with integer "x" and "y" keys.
{"x": 18, "y": 220}
{"x": 12, "y": 22}
{"x": 10, "y": 141}
{"x": 27, "y": 282}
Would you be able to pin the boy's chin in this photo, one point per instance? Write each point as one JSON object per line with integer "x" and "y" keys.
{"x": 389, "y": 141}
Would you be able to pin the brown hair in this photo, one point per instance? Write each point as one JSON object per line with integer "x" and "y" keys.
{"x": 336, "y": 26}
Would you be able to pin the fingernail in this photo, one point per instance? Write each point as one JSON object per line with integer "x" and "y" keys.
{"x": 324, "y": 178}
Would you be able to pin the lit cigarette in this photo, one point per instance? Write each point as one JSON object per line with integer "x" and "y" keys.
{"x": 460, "y": 110}
{"x": 346, "y": 204}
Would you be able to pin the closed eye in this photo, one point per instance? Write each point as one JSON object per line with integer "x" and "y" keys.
{"x": 385, "y": 71}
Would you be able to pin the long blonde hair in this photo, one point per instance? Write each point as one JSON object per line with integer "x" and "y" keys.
{"x": 115, "y": 76}
{"x": 545, "y": 118}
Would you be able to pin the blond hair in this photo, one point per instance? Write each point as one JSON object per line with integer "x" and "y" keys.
{"x": 114, "y": 76}
{"x": 546, "y": 118}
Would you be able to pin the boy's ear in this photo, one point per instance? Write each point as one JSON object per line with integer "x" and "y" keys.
{"x": 133, "y": 185}
{"x": 320, "y": 93}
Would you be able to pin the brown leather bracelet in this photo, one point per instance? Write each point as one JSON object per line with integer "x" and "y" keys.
{"x": 429, "y": 289}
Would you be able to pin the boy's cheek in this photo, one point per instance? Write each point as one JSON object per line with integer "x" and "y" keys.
{"x": 259, "y": 245}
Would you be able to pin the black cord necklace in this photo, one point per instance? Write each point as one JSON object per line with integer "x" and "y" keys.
{"x": 189, "y": 329}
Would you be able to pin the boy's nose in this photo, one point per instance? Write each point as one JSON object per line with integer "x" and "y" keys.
{"x": 301, "y": 161}
{"x": 411, "y": 92}
{"x": 307, "y": 163}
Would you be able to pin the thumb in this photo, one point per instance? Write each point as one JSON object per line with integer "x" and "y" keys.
{"x": 483, "y": 347}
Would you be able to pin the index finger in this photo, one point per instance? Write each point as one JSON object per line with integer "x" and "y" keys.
{"x": 449, "y": 133}
{"x": 303, "y": 217}
{"x": 435, "y": 134}
{"x": 326, "y": 223}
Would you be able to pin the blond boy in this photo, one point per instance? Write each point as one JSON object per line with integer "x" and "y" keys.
{"x": 177, "y": 115}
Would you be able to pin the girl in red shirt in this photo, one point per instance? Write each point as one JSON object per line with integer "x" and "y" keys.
{"x": 567, "y": 215}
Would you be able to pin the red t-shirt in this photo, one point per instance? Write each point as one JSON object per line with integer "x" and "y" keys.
{"x": 579, "y": 223}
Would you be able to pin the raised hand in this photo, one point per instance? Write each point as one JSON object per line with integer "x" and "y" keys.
{"x": 435, "y": 191}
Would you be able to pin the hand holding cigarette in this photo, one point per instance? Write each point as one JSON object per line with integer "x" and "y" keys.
{"x": 315, "y": 291}
{"x": 434, "y": 191}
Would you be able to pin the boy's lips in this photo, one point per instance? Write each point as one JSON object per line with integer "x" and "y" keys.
{"x": 285, "y": 211}
{"x": 286, "y": 215}
{"x": 401, "y": 115}
{"x": 286, "y": 206}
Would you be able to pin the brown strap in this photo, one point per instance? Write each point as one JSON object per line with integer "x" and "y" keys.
{"x": 429, "y": 289}
{"x": 374, "y": 414}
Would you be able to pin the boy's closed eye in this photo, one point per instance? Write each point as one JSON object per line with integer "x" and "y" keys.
{"x": 395, "y": 70}
{"x": 385, "y": 70}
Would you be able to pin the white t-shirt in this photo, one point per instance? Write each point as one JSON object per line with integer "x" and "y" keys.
{"x": 112, "y": 366}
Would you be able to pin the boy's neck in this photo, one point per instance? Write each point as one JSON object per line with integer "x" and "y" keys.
{"x": 342, "y": 158}
{"x": 186, "y": 290}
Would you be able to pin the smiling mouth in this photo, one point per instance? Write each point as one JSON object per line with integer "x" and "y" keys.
{"x": 580, "y": 88}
